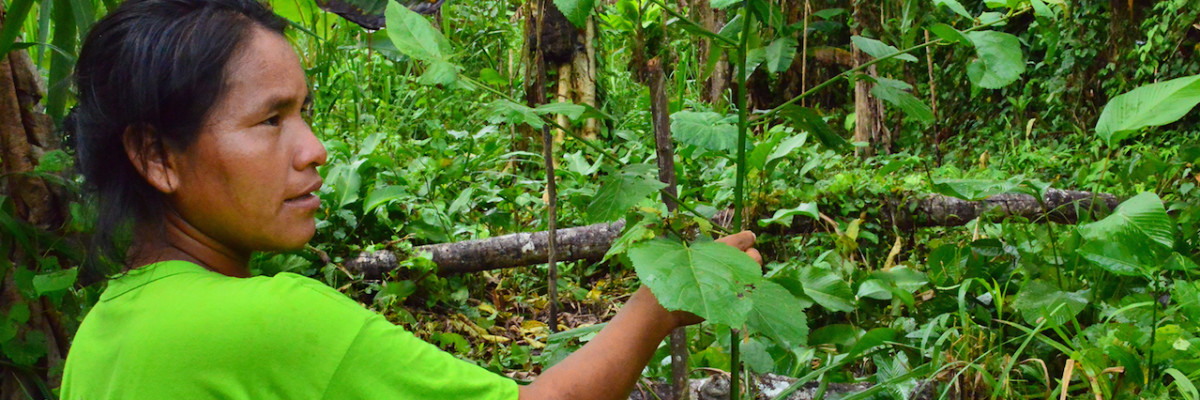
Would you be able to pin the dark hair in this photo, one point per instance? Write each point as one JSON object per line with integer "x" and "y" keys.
{"x": 157, "y": 67}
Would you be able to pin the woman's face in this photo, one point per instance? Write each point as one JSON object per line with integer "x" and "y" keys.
{"x": 249, "y": 180}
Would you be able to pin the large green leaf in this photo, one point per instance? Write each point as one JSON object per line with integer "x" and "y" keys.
{"x": 953, "y": 5}
{"x": 949, "y": 34}
{"x": 896, "y": 93}
{"x": 619, "y": 192}
{"x": 1039, "y": 300}
{"x": 1000, "y": 61}
{"x": 55, "y": 281}
{"x": 504, "y": 111}
{"x": 576, "y": 11}
{"x": 974, "y": 189}
{"x": 413, "y": 35}
{"x": 778, "y": 314}
{"x": 827, "y": 289}
{"x": 384, "y": 195}
{"x": 807, "y": 119}
{"x": 873, "y": 338}
{"x": 878, "y": 49}
{"x": 1143, "y": 215}
{"x": 780, "y": 54}
{"x": 1151, "y": 105}
{"x": 709, "y": 279}
{"x": 723, "y": 4}
{"x": 705, "y": 130}
{"x": 784, "y": 216}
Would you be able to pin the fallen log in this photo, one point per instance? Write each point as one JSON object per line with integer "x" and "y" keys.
{"x": 767, "y": 386}
{"x": 591, "y": 242}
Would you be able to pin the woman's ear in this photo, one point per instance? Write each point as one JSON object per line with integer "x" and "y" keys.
{"x": 149, "y": 156}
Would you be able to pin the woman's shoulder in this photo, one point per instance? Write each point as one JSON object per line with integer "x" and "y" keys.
{"x": 186, "y": 296}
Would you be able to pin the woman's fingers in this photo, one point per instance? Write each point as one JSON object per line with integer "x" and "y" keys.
{"x": 743, "y": 240}
{"x": 755, "y": 255}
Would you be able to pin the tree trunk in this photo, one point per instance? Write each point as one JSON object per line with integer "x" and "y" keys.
{"x": 584, "y": 68}
{"x": 25, "y": 135}
{"x": 717, "y": 82}
{"x": 591, "y": 242}
{"x": 868, "y": 123}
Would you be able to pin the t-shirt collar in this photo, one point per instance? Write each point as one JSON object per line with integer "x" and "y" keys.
{"x": 139, "y": 277}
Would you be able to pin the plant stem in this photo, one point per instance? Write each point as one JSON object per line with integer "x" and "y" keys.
{"x": 739, "y": 189}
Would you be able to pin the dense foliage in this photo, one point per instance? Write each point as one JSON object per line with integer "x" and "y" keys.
{"x": 430, "y": 142}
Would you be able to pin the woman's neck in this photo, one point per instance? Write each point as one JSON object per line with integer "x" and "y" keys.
{"x": 176, "y": 239}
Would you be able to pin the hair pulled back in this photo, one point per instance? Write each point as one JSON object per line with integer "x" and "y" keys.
{"x": 155, "y": 67}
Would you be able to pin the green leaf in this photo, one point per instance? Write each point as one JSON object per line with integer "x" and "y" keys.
{"x": 973, "y": 189}
{"x": 778, "y": 314}
{"x": 896, "y": 93}
{"x": 949, "y": 34}
{"x": 579, "y": 164}
{"x": 346, "y": 182}
{"x": 874, "y": 289}
{"x": 383, "y": 195}
{"x": 55, "y": 281}
{"x": 54, "y": 161}
{"x": 807, "y": 119}
{"x": 873, "y": 338}
{"x": 413, "y": 35}
{"x": 576, "y": 11}
{"x": 709, "y": 279}
{"x": 1155, "y": 104}
{"x": 28, "y": 351}
{"x": 1186, "y": 387}
{"x": 619, "y": 192}
{"x": 14, "y": 19}
{"x": 722, "y": 4}
{"x": 827, "y": 289}
{"x": 954, "y": 5}
{"x": 504, "y": 111}
{"x": 879, "y": 49}
{"x": 395, "y": 291}
{"x": 1143, "y": 215}
{"x": 786, "y": 147}
{"x": 780, "y": 54}
{"x": 705, "y": 130}
{"x": 1042, "y": 10}
{"x": 1039, "y": 300}
{"x": 1128, "y": 258}
{"x": 784, "y": 216}
{"x": 439, "y": 73}
{"x": 1000, "y": 61}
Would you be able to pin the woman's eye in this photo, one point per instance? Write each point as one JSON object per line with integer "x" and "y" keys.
{"x": 273, "y": 121}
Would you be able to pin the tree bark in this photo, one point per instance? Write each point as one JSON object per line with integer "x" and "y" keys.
{"x": 868, "y": 125}
{"x": 718, "y": 81}
{"x": 591, "y": 242}
{"x": 26, "y": 135}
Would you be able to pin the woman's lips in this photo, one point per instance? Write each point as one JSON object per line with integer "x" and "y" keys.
{"x": 307, "y": 202}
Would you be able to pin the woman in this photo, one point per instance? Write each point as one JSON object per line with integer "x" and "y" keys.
{"x": 190, "y": 132}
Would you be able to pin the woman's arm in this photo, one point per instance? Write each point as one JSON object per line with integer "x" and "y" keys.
{"x": 608, "y": 366}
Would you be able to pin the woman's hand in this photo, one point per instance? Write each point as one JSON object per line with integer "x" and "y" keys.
{"x": 743, "y": 241}
{"x": 607, "y": 366}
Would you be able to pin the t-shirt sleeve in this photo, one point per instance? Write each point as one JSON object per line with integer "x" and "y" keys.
{"x": 386, "y": 361}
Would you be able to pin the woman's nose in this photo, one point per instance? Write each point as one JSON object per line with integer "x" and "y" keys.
{"x": 311, "y": 151}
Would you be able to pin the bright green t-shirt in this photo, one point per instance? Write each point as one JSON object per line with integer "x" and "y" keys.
{"x": 174, "y": 330}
